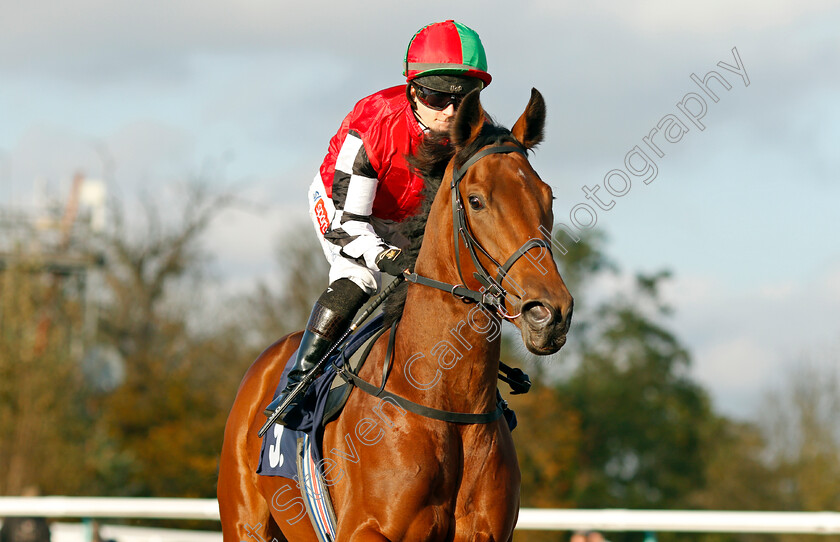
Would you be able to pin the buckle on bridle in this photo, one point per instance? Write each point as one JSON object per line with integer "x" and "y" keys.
{"x": 462, "y": 298}
{"x": 494, "y": 293}
{"x": 497, "y": 295}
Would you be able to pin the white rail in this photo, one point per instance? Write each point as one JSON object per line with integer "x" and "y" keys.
{"x": 681, "y": 521}
{"x": 109, "y": 507}
{"x": 529, "y": 518}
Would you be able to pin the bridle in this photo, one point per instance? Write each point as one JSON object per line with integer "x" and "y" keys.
{"x": 492, "y": 294}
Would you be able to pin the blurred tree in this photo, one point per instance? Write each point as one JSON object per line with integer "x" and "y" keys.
{"x": 801, "y": 422}
{"x": 788, "y": 460}
{"x": 639, "y": 427}
{"x": 547, "y": 440}
{"x": 644, "y": 421}
{"x": 548, "y": 437}
{"x": 160, "y": 432}
{"x": 40, "y": 382}
{"x": 738, "y": 477}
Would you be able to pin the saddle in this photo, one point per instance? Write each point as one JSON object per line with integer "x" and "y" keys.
{"x": 322, "y": 403}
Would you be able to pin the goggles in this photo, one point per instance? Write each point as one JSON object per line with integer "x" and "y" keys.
{"x": 436, "y": 100}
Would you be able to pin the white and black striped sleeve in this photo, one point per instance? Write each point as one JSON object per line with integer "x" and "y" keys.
{"x": 353, "y": 190}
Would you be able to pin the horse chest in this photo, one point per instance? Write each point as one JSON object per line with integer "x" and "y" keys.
{"x": 429, "y": 482}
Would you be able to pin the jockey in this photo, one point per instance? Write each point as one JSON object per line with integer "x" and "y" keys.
{"x": 365, "y": 187}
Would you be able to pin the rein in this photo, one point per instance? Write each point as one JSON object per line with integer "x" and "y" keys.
{"x": 428, "y": 412}
{"x": 492, "y": 295}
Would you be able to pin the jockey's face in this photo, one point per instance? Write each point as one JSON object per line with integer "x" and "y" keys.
{"x": 437, "y": 121}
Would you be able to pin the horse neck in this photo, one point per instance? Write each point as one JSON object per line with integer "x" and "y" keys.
{"x": 447, "y": 351}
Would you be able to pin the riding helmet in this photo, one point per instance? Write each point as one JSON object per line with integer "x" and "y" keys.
{"x": 447, "y": 57}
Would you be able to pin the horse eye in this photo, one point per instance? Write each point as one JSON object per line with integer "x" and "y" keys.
{"x": 475, "y": 202}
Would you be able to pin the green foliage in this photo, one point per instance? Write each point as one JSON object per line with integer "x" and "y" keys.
{"x": 737, "y": 478}
{"x": 643, "y": 419}
{"x": 800, "y": 421}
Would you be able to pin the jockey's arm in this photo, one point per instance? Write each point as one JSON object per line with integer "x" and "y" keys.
{"x": 353, "y": 192}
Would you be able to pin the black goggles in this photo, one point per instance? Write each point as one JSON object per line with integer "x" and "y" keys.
{"x": 437, "y": 100}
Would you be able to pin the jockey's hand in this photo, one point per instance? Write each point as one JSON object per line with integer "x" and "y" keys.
{"x": 392, "y": 261}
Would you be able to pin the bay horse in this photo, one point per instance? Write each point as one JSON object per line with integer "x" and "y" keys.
{"x": 395, "y": 474}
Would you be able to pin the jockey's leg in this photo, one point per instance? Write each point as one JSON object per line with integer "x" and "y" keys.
{"x": 331, "y": 317}
{"x": 351, "y": 284}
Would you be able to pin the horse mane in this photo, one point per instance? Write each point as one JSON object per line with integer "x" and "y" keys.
{"x": 429, "y": 161}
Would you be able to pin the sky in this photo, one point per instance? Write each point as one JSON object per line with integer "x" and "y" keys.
{"x": 246, "y": 95}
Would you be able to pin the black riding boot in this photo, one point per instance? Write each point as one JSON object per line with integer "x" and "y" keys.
{"x": 330, "y": 318}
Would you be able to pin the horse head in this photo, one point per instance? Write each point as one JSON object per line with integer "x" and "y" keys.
{"x": 500, "y": 222}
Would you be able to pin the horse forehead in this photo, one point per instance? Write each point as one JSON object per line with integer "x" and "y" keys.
{"x": 512, "y": 171}
{"x": 506, "y": 166}
{"x": 528, "y": 184}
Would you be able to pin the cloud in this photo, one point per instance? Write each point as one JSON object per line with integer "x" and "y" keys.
{"x": 151, "y": 152}
{"x": 245, "y": 241}
{"x": 666, "y": 17}
{"x": 741, "y": 340}
{"x": 743, "y": 360}
{"x": 98, "y": 38}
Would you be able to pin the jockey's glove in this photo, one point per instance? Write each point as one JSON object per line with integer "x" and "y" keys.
{"x": 392, "y": 261}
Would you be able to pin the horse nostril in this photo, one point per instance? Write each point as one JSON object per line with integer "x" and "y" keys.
{"x": 537, "y": 313}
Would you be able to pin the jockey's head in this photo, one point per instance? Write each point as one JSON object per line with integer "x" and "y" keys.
{"x": 443, "y": 62}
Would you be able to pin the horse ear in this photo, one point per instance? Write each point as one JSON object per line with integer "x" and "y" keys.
{"x": 528, "y": 130}
{"x": 468, "y": 120}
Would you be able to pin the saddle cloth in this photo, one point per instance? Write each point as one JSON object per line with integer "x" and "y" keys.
{"x": 294, "y": 451}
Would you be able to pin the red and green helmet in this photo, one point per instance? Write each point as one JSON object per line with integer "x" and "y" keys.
{"x": 446, "y": 49}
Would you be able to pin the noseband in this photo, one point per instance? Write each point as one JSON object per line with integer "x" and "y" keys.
{"x": 492, "y": 294}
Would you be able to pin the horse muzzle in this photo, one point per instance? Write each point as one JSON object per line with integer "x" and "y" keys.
{"x": 544, "y": 327}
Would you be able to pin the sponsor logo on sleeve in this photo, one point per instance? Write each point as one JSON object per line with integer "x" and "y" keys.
{"x": 321, "y": 216}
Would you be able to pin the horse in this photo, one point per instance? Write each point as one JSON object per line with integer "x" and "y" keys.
{"x": 400, "y": 475}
